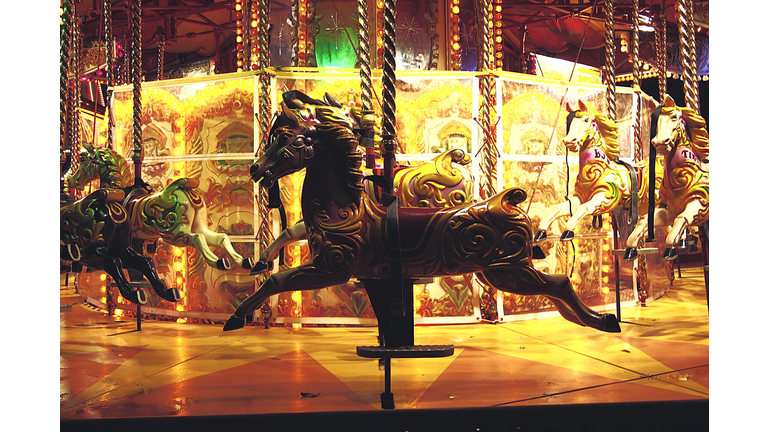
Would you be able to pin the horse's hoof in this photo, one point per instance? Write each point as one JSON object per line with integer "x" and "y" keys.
{"x": 234, "y": 323}
{"x": 541, "y": 235}
{"x": 171, "y": 294}
{"x": 611, "y": 324}
{"x": 567, "y": 235}
{"x": 247, "y": 263}
{"x": 538, "y": 253}
{"x": 670, "y": 254}
{"x": 70, "y": 252}
{"x": 224, "y": 264}
{"x": 630, "y": 254}
{"x": 261, "y": 267}
{"x": 138, "y": 297}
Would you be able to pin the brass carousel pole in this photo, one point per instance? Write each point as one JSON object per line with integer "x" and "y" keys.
{"x": 366, "y": 85}
{"x": 690, "y": 74}
{"x": 161, "y": 58}
{"x": 64, "y": 39}
{"x": 135, "y": 74}
{"x": 388, "y": 141}
{"x": 110, "y": 72}
{"x": 610, "y": 96}
{"x": 261, "y": 57}
{"x": 636, "y": 132}
{"x": 488, "y": 149}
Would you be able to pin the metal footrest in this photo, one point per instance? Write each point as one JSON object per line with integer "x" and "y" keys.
{"x": 416, "y": 351}
{"x": 642, "y": 251}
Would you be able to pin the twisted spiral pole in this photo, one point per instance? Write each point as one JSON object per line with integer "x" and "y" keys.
{"x": 610, "y": 60}
{"x": 488, "y": 149}
{"x": 160, "y": 58}
{"x": 388, "y": 141}
{"x": 74, "y": 100}
{"x": 638, "y": 143}
{"x": 364, "y": 53}
{"x": 264, "y": 237}
{"x": 135, "y": 74}
{"x": 688, "y": 51}
{"x": 661, "y": 49}
{"x": 110, "y": 73}
{"x": 64, "y": 36}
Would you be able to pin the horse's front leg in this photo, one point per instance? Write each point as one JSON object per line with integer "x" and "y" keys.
{"x": 555, "y": 212}
{"x": 199, "y": 225}
{"x": 661, "y": 218}
{"x": 585, "y": 209}
{"x": 304, "y": 277}
{"x": 679, "y": 224}
{"x": 291, "y": 234}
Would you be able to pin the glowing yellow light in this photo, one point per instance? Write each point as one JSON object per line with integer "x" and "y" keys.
{"x": 179, "y": 307}
{"x": 103, "y": 277}
{"x": 296, "y": 296}
{"x": 179, "y": 151}
{"x": 177, "y": 266}
{"x": 605, "y": 290}
{"x": 179, "y": 280}
{"x": 417, "y": 304}
{"x": 455, "y": 9}
{"x": 103, "y": 299}
{"x": 606, "y": 279}
{"x": 177, "y": 252}
{"x": 297, "y": 325}
{"x": 178, "y": 166}
{"x": 181, "y": 320}
{"x": 418, "y": 315}
{"x": 606, "y": 269}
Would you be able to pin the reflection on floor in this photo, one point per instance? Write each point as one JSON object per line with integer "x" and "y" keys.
{"x": 110, "y": 370}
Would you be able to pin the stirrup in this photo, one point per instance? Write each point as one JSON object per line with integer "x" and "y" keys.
{"x": 567, "y": 235}
{"x": 670, "y": 254}
{"x": 630, "y": 254}
{"x": 541, "y": 235}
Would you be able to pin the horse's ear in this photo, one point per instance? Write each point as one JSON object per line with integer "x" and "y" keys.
{"x": 332, "y": 101}
{"x": 668, "y": 101}
{"x": 88, "y": 147}
{"x": 583, "y": 107}
{"x": 569, "y": 106}
{"x": 293, "y": 121}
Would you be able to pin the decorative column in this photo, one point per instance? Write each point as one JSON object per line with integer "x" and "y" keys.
{"x": 110, "y": 71}
{"x": 688, "y": 52}
{"x": 64, "y": 39}
{"x": 264, "y": 116}
{"x": 610, "y": 61}
{"x": 388, "y": 95}
{"x": 138, "y": 149}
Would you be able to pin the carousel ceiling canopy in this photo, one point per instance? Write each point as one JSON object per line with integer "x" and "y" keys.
{"x": 194, "y": 30}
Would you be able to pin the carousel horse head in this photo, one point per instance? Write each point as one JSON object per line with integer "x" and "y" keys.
{"x": 586, "y": 127}
{"x": 103, "y": 164}
{"x": 307, "y": 131}
{"x": 672, "y": 126}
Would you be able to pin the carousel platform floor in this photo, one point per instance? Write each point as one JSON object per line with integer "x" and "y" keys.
{"x": 526, "y": 375}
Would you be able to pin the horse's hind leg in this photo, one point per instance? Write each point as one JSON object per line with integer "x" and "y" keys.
{"x": 557, "y": 288}
{"x": 114, "y": 267}
{"x": 303, "y": 277}
{"x": 132, "y": 260}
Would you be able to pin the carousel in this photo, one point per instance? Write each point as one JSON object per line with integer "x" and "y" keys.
{"x": 384, "y": 215}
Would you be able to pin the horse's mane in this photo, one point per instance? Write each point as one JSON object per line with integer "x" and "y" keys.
{"x": 608, "y": 129}
{"x": 118, "y": 172}
{"x": 344, "y": 152}
{"x": 697, "y": 132}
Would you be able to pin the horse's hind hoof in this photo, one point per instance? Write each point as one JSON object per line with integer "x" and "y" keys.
{"x": 261, "y": 267}
{"x": 670, "y": 254}
{"x": 567, "y": 235}
{"x": 138, "y": 297}
{"x": 630, "y": 254}
{"x": 70, "y": 252}
{"x": 224, "y": 264}
{"x": 541, "y": 235}
{"x": 234, "y": 323}
{"x": 248, "y": 263}
{"x": 538, "y": 253}
{"x": 171, "y": 294}
{"x": 611, "y": 324}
